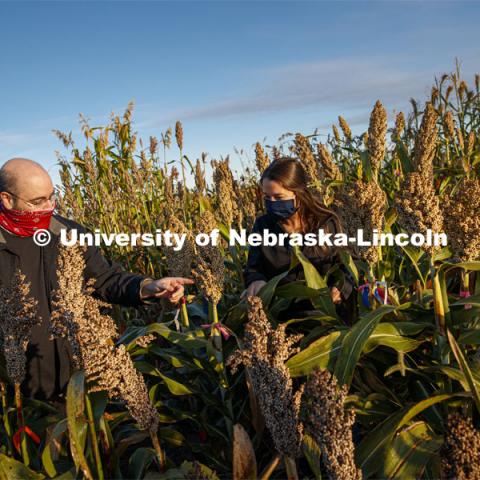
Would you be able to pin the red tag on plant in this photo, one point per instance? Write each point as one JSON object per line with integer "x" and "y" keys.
{"x": 29, "y": 432}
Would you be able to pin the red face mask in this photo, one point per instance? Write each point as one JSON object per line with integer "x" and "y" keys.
{"x": 24, "y": 223}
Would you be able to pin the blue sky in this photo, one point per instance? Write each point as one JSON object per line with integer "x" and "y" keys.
{"x": 234, "y": 72}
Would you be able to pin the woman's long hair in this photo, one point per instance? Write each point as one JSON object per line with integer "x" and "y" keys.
{"x": 314, "y": 215}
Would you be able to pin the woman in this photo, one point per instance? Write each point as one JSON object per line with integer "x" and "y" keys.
{"x": 292, "y": 208}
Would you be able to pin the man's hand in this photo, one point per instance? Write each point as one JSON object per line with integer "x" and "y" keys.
{"x": 253, "y": 288}
{"x": 168, "y": 287}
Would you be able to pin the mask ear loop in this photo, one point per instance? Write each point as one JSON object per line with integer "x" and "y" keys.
{"x": 297, "y": 207}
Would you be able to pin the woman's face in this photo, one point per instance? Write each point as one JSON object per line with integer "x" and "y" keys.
{"x": 272, "y": 190}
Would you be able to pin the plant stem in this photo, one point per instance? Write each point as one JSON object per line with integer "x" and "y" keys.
{"x": 401, "y": 362}
{"x": 21, "y": 424}
{"x": 265, "y": 475}
{"x": 184, "y": 313}
{"x": 437, "y": 300}
{"x": 291, "y": 468}
{"x": 93, "y": 434}
{"x": 419, "y": 291}
{"x": 185, "y": 204}
{"x": 6, "y": 421}
{"x": 217, "y": 337}
{"x": 160, "y": 453}
{"x": 465, "y": 281}
{"x": 440, "y": 333}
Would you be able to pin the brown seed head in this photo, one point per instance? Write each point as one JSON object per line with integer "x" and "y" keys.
{"x": 179, "y": 135}
{"x": 264, "y": 354}
{"x": 330, "y": 424}
{"x": 377, "y": 132}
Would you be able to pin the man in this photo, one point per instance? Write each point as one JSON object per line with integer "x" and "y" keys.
{"x": 27, "y": 202}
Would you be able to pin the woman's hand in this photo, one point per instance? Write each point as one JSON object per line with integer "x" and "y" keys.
{"x": 253, "y": 288}
{"x": 336, "y": 295}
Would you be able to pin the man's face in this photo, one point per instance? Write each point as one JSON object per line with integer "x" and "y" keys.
{"x": 32, "y": 191}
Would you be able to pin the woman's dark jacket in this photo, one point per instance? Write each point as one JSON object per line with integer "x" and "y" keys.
{"x": 265, "y": 262}
{"x": 49, "y": 361}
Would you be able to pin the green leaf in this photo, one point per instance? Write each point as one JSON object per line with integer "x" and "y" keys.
{"x": 47, "y": 461}
{"x": 415, "y": 254}
{"x": 77, "y": 423}
{"x": 188, "y": 340}
{"x": 99, "y": 402}
{"x": 354, "y": 342}
{"x": 473, "y": 300}
{"x": 463, "y": 364}
{"x": 146, "y": 367}
{"x": 174, "y": 360}
{"x": 442, "y": 254}
{"x": 68, "y": 475}
{"x": 268, "y": 290}
{"x": 11, "y": 469}
{"x": 404, "y": 156}
{"x": 314, "y": 280}
{"x": 453, "y": 373}
{"x": 468, "y": 266}
{"x": 296, "y": 290}
{"x": 389, "y": 335}
{"x": 204, "y": 204}
{"x": 136, "y": 437}
{"x": 349, "y": 264}
{"x": 390, "y": 218}
{"x": 319, "y": 353}
{"x": 312, "y": 277}
{"x": 140, "y": 460}
{"x": 224, "y": 231}
{"x": 426, "y": 403}
{"x": 172, "y": 436}
{"x": 53, "y": 437}
{"x": 313, "y": 455}
{"x": 470, "y": 337}
{"x": 410, "y": 451}
{"x": 373, "y": 446}
{"x": 173, "y": 386}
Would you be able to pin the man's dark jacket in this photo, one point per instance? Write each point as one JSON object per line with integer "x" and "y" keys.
{"x": 112, "y": 284}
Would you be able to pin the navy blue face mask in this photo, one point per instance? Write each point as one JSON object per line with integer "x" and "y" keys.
{"x": 280, "y": 209}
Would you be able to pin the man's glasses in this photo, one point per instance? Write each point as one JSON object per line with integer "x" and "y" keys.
{"x": 38, "y": 202}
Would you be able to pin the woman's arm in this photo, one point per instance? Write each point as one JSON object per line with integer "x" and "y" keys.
{"x": 254, "y": 269}
{"x": 348, "y": 283}
{"x": 254, "y": 273}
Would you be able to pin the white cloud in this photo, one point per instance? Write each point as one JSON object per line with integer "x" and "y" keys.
{"x": 347, "y": 84}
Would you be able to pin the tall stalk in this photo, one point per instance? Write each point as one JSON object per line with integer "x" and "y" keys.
{"x": 93, "y": 435}
{"x": 437, "y": 299}
{"x": 158, "y": 449}
{"x": 216, "y": 334}
{"x": 184, "y": 313}
{"x": 290, "y": 467}
{"x": 6, "y": 420}
{"x": 440, "y": 332}
{"x": 272, "y": 465}
{"x": 21, "y": 424}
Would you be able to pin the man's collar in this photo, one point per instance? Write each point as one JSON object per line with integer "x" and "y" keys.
{"x": 55, "y": 227}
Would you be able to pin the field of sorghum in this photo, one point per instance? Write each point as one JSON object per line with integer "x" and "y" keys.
{"x": 219, "y": 388}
